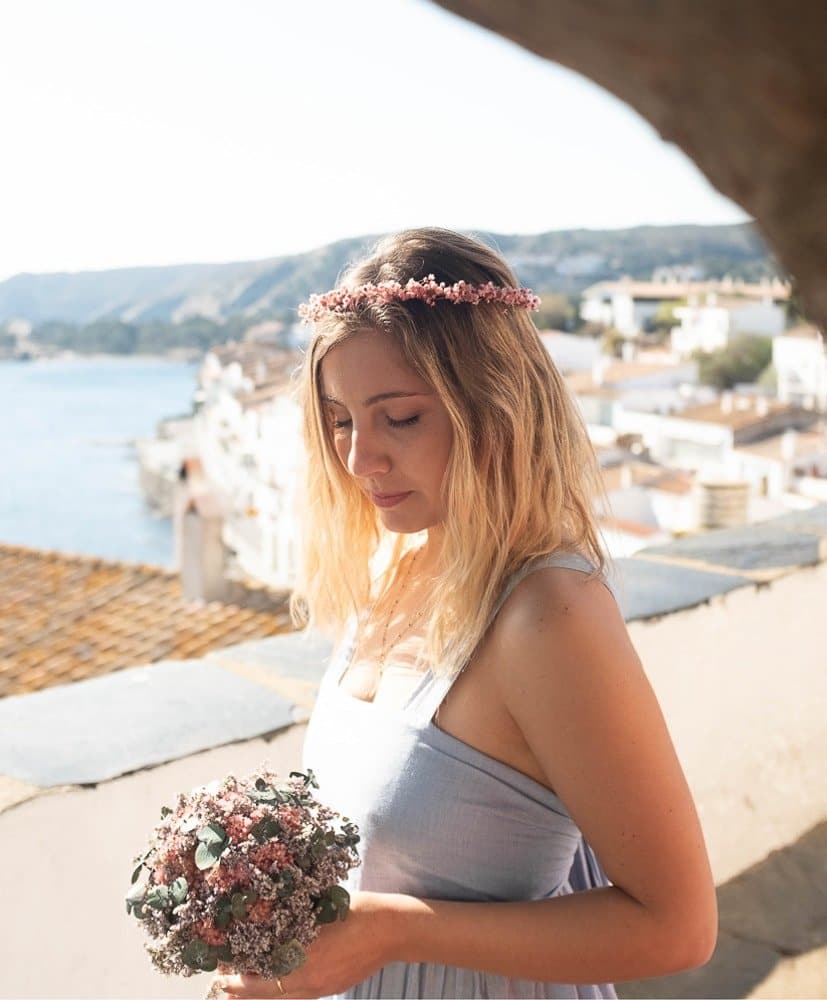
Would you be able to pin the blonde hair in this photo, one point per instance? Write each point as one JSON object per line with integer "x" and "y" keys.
{"x": 522, "y": 477}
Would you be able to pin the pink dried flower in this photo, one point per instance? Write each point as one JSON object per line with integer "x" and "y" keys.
{"x": 428, "y": 290}
{"x": 236, "y": 872}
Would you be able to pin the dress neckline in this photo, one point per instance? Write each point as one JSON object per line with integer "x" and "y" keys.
{"x": 348, "y": 651}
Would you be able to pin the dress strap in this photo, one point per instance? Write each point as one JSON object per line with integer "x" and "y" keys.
{"x": 431, "y": 692}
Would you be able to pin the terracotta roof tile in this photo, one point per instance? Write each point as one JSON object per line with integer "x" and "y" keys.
{"x": 65, "y": 618}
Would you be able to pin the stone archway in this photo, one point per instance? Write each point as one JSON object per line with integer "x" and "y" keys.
{"x": 739, "y": 85}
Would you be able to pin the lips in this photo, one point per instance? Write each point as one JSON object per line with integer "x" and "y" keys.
{"x": 389, "y": 499}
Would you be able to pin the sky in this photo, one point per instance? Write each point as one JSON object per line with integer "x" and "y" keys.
{"x": 141, "y": 132}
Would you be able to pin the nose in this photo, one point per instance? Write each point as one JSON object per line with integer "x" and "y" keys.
{"x": 366, "y": 459}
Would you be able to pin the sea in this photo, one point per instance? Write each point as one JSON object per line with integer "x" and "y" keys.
{"x": 68, "y": 466}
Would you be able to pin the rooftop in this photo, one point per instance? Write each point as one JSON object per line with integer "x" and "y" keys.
{"x": 802, "y": 445}
{"x": 69, "y": 617}
{"x": 739, "y": 412}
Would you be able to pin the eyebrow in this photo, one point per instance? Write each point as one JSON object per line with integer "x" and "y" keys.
{"x": 374, "y": 399}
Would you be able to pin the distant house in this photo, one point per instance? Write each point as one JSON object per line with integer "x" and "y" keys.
{"x": 800, "y": 360}
{"x": 628, "y": 305}
{"x": 702, "y": 438}
{"x": 777, "y": 464}
{"x": 708, "y": 321}
{"x": 610, "y": 385}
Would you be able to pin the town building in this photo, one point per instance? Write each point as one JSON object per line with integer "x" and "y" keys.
{"x": 629, "y": 306}
{"x": 800, "y": 361}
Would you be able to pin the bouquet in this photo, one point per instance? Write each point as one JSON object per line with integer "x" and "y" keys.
{"x": 241, "y": 874}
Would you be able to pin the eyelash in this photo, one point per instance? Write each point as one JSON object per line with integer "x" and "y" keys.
{"x": 337, "y": 424}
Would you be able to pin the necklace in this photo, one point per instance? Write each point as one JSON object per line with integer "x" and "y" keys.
{"x": 385, "y": 648}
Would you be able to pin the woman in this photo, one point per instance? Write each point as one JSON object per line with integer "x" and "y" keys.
{"x": 485, "y": 719}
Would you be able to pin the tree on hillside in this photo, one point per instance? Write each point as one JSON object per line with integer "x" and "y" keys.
{"x": 742, "y": 360}
{"x": 557, "y": 312}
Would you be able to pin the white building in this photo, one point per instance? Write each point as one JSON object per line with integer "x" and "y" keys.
{"x": 800, "y": 360}
{"x": 708, "y": 321}
{"x": 627, "y": 305}
{"x": 247, "y": 435}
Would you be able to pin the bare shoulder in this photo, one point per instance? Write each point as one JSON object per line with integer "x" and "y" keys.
{"x": 577, "y": 609}
{"x": 570, "y": 678}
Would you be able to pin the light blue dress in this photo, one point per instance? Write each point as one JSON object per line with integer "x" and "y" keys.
{"x": 441, "y": 820}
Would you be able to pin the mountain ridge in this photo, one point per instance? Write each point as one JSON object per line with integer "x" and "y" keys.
{"x": 562, "y": 261}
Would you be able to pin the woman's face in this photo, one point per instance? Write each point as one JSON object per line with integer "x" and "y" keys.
{"x": 389, "y": 428}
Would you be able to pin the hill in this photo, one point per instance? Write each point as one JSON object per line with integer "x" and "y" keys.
{"x": 565, "y": 261}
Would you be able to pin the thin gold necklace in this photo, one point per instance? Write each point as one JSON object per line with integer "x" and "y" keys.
{"x": 384, "y": 648}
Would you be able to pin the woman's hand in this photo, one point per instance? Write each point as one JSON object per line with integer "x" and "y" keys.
{"x": 344, "y": 953}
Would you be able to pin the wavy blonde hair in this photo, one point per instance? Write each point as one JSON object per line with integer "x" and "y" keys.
{"x": 522, "y": 477}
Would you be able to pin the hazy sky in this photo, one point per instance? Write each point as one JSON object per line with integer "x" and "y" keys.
{"x": 165, "y": 131}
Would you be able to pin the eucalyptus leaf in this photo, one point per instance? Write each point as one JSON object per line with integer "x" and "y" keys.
{"x": 325, "y": 911}
{"x": 137, "y": 873}
{"x": 224, "y": 952}
{"x": 339, "y": 895}
{"x": 135, "y": 894}
{"x": 205, "y": 857}
{"x": 212, "y": 833}
{"x": 288, "y": 957}
{"x": 195, "y": 953}
{"x": 179, "y": 889}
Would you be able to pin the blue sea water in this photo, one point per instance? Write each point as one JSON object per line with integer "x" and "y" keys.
{"x": 68, "y": 471}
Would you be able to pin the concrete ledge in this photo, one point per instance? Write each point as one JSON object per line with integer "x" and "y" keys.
{"x": 94, "y": 730}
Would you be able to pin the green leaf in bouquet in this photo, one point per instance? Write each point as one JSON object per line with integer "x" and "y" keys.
{"x": 329, "y": 838}
{"x": 239, "y": 906}
{"x": 340, "y": 898}
{"x": 309, "y": 779}
{"x": 158, "y": 897}
{"x": 138, "y": 911}
{"x": 212, "y": 833}
{"x": 207, "y": 855}
{"x": 135, "y": 894}
{"x": 179, "y": 889}
{"x": 195, "y": 953}
{"x": 286, "y": 883}
{"x": 223, "y": 911}
{"x": 325, "y": 911}
{"x": 136, "y": 874}
{"x": 165, "y": 811}
{"x": 265, "y": 829}
{"x": 224, "y": 953}
{"x": 250, "y": 896}
{"x": 210, "y": 963}
{"x": 288, "y": 957}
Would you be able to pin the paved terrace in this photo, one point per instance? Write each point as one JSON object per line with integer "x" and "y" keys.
{"x": 732, "y": 630}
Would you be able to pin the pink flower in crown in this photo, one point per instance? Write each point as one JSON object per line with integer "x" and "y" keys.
{"x": 426, "y": 289}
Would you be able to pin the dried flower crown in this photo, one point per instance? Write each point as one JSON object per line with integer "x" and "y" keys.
{"x": 428, "y": 290}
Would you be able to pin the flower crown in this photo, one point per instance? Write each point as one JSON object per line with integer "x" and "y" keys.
{"x": 428, "y": 290}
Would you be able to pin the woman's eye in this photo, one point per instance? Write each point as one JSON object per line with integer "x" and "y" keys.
{"x": 338, "y": 424}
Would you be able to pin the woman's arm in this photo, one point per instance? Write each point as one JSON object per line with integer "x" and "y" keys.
{"x": 572, "y": 681}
